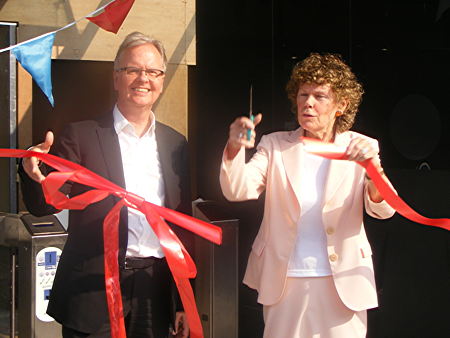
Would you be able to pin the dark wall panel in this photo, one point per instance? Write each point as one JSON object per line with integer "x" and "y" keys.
{"x": 412, "y": 261}
{"x": 82, "y": 90}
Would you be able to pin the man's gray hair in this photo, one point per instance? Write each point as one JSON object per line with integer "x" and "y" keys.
{"x": 136, "y": 39}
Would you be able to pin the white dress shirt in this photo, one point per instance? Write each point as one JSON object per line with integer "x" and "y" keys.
{"x": 143, "y": 176}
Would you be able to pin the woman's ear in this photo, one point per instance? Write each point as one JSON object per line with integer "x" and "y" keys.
{"x": 342, "y": 105}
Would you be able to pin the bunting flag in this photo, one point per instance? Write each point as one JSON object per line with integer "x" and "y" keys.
{"x": 35, "y": 57}
{"x": 35, "y": 54}
{"x": 113, "y": 16}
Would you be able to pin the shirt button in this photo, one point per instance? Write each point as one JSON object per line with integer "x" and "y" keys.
{"x": 330, "y": 230}
{"x": 333, "y": 257}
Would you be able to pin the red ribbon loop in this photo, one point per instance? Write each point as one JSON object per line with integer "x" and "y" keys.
{"x": 180, "y": 262}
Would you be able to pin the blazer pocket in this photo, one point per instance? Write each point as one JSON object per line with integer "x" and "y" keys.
{"x": 258, "y": 247}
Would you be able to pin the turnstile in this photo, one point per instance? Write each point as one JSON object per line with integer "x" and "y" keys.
{"x": 217, "y": 284}
{"x": 39, "y": 241}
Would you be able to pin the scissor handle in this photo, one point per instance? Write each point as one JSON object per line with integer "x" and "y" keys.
{"x": 249, "y": 131}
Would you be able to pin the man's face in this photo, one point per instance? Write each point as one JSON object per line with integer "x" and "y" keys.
{"x": 137, "y": 89}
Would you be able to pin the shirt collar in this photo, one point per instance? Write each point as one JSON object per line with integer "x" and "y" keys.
{"x": 121, "y": 123}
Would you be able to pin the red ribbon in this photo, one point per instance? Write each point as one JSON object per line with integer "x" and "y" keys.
{"x": 180, "y": 263}
{"x": 334, "y": 152}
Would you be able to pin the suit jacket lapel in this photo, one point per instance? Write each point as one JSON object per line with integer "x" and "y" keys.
{"x": 292, "y": 154}
{"x": 109, "y": 144}
{"x": 339, "y": 169}
{"x": 171, "y": 179}
{"x": 110, "y": 148}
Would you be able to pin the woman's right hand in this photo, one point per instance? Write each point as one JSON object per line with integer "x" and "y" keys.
{"x": 237, "y": 137}
{"x": 31, "y": 164}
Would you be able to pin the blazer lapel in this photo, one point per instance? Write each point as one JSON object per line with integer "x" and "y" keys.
{"x": 109, "y": 144}
{"x": 339, "y": 169}
{"x": 171, "y": 179}
{"x": 110, "y": 148}
{"x": 292, "y": 154}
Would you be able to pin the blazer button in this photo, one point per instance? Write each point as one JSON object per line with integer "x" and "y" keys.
{"x": 330, "y": 230}
{"x": 333, "y": 257}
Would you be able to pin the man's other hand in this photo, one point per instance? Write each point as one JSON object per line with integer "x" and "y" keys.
{"x": 31, "y": 164}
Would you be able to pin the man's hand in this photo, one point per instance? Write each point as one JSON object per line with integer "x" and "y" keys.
{"x": 31, "y": 164}
{"x": 181, "y": 325}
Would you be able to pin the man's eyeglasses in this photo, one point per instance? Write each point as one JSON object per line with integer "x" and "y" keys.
{"x": 135, "y": 72}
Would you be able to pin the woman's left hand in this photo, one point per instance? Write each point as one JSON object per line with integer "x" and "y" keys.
{"x": 361, "y": 149}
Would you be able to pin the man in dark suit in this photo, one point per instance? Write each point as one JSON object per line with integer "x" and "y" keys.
{"x": 128, "y": 147}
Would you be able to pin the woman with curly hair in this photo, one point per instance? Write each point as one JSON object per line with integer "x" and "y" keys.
{"x": 311, "y": 261}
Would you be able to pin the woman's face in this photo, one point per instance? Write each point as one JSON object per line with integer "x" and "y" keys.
{"x": 316, "y": 110}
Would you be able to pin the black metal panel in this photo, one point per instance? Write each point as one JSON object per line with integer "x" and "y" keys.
{"x": 217, "y": 284}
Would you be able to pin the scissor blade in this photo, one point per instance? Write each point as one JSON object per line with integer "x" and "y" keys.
{"x": 251, "y": 101}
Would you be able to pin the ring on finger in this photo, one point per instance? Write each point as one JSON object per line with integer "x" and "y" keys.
{"x": 240, "y": 135}
{"x": 364, "y": 151}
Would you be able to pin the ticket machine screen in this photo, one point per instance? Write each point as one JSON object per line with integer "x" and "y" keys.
{"x": 50, "y": 259}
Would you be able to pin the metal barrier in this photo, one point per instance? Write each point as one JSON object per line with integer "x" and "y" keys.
{"x": 39, "y": 242}
{"x": 216, "y": 285}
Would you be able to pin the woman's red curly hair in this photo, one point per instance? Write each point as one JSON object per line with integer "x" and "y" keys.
{"x": 328, "y": 69}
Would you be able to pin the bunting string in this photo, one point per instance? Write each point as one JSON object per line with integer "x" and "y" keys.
{"x": 60, "y": 29}
{"x": 35, "y": 54}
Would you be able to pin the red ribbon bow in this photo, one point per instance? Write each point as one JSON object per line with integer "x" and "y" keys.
{"x": 333, "y": 152}
{"x": 180, "y": 263}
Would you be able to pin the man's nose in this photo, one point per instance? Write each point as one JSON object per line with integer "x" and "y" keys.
{"x": 143, "y": 75}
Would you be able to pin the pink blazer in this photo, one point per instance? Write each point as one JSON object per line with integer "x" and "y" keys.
{"x": 274, "y": 168}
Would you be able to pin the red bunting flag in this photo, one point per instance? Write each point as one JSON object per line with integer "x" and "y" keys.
{"x": 113, "y": 16}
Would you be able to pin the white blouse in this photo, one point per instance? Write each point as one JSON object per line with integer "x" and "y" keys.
{"x": 310, "y": 258}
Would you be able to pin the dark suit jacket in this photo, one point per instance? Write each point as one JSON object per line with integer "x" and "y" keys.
{"x": 78, "y": 298}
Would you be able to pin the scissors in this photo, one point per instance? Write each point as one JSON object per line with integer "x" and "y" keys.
{"x": 250, "y": 114}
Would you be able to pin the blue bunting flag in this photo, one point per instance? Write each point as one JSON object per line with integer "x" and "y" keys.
{"x": 35, "y": 56}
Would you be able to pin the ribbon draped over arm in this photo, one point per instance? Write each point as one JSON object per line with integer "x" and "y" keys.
{"x": 180, "y": 263}
{"x": 331, "y": 151}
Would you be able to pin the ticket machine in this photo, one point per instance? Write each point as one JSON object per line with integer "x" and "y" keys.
{"x": 40, "y": 241}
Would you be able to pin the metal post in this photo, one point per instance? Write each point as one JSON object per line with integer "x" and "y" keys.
{"x": 8, "y": 113}
{"x": 12, "y": 121}
{"x": 11, "y": 142}
{"x": 12, "y": 317}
